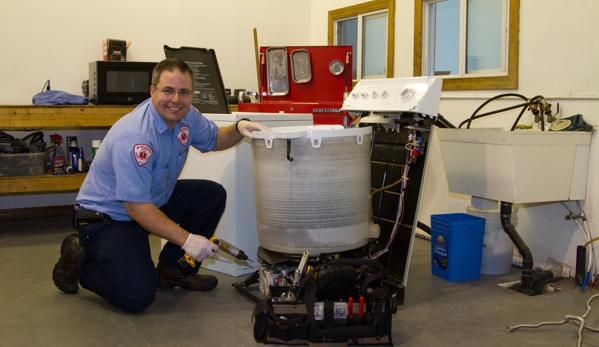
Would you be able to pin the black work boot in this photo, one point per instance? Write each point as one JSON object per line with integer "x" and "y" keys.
{"x": 169, "y": 277}
{"x": 65, "y": 271}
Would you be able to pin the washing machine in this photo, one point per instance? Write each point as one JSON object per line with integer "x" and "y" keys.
{"x": 233, "y": 168}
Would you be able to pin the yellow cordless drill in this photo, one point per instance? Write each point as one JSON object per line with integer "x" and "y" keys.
{"x": 188, "y": 263}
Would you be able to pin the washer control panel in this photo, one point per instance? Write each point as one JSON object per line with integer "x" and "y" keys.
{"x": 412, "y": 94}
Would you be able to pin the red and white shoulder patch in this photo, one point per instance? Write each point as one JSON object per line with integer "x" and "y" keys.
{"x": 143, "y": 153}
{"x": 183, "y": 135}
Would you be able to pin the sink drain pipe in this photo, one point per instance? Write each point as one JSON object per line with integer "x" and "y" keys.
{"x": 529, "y": 277}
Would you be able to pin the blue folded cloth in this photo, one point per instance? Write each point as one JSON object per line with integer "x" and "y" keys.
{"x": 57, "y": 97}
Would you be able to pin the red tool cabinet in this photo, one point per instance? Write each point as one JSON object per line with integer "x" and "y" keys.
{"x": 304, "y": 79}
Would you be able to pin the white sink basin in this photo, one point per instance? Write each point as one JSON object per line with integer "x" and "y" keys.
{"x": 516, "y": 166}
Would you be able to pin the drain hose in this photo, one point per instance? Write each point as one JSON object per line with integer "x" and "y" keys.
{"x": 529, "y": 277}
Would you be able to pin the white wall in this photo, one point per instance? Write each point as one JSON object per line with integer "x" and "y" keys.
{"x": 56, "y": 40}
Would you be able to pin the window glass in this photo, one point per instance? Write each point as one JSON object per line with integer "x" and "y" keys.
{"x": 375, "y": 46}
{"x": 347, "y": 35}
{"x": 445, "y": 19}
{"x": 471, "y": 44}
{"x": 369, "y": 28}
{"x": 486, "y": 36}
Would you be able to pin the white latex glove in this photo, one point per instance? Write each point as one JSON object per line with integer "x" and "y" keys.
{"x": 246, "y": 127}
{"x": 199, "y": 247}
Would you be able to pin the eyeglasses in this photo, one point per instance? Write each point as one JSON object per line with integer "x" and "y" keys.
{"x": 170, "y": 92}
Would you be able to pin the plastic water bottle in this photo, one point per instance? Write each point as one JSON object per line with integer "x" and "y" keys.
{"x": 73, "y": 149}
{"x": 95, "y": 146}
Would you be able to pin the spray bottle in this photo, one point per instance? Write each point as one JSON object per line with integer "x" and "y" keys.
{"x": 58, "y": 157}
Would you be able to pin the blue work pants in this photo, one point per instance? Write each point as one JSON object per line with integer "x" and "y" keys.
{"x": 116, "y": 262}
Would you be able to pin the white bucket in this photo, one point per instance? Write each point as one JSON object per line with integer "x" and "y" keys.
{"x": 498, "y": 249}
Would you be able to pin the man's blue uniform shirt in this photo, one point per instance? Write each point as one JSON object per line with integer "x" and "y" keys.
{"x": 141, "y": 158}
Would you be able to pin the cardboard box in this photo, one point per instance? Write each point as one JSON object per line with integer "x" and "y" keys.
{"x": 114, "y": 50}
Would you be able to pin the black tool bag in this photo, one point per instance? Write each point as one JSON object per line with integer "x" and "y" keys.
{"x": 322, "y": 313}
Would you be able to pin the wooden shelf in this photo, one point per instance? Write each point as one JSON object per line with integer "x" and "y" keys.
{"x": 18, "y": 117}
{"x": 46, "y": 183}
{"x": 68, "y": 117}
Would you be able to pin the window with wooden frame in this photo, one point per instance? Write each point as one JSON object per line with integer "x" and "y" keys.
{"x": 369, "y": 28}
{"x": 471, "y": 44}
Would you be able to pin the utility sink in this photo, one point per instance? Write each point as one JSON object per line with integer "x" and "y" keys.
{"x": 516, "y": 166}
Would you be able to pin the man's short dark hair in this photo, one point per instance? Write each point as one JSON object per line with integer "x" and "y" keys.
{"x": 170, "y": 64}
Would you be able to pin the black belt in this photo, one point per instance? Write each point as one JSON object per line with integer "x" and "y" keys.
{"x": 82, "y": 216}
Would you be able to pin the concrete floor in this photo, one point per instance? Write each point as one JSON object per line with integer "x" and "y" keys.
{"x": 436, "y": 312}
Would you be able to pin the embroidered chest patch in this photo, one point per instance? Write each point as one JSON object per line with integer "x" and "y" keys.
{"x": 143, "y": 153}
{"x": 183, "y": 135}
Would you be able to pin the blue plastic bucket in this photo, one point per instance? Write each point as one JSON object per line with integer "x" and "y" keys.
{"x": 456, "y": 246}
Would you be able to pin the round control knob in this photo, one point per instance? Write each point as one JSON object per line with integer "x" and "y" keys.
{"x": 406, "y": 94}
{"x": 374, "y": 94}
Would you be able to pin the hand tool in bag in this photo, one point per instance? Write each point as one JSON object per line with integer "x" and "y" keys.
{"x": 297, "y": 276}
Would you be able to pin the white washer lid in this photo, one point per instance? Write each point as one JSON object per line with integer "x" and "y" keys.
{"x": 314, "y": 132}
{"x": 259, "y": 117}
